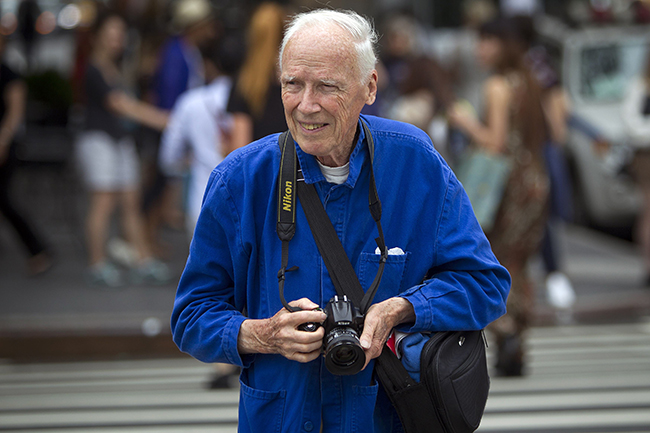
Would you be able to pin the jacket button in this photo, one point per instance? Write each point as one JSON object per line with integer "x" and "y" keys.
{"x": 308, "y": 426}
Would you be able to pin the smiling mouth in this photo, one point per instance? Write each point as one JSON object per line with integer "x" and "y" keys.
{"x": 312, "y": 126}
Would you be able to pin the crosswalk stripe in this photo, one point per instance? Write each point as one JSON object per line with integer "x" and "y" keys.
{"x": 120, "y": 417}
{"x": 50, "y": 402}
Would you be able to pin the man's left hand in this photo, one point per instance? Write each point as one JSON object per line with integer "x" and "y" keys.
{"x": 380, "y": 321}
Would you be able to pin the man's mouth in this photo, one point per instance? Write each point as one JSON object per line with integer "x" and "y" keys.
{"x": 312, "y": 126}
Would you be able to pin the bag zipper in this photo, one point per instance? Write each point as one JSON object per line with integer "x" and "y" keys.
{"x": 470, "y": 360}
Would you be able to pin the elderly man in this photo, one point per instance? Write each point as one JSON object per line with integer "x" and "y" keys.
{"x": 228, "y": 308}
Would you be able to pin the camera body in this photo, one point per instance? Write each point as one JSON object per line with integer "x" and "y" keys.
{"x": 341, "y": 346}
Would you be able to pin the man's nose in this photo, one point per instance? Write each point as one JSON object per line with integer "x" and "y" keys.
{"x": 309, "y": 102}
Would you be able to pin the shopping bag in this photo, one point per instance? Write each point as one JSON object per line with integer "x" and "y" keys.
{"x": 484, "y": 176}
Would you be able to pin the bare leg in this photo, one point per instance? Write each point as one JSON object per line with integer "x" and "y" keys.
{"x": 148, "y": 269}
{"x": 510, "y": 329}
{"x": 133, "y": 223}
{"x": 102, "y": 205}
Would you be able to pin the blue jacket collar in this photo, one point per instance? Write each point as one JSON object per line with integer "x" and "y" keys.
{"x": 312, "y": 173}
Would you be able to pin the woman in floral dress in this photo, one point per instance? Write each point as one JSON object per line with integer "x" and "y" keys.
{"x": 513, "y": 126}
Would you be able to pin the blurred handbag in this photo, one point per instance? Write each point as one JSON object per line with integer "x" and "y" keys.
{"x": 484, "y": 177}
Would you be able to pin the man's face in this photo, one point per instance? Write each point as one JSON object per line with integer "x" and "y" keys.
{"x": 323, "y": 93}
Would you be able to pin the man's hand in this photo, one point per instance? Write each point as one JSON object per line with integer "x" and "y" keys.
{"x": 280, "y": 334}
{"x": 380, "y": 321}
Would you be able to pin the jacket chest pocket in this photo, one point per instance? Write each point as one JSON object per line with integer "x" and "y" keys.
{"x": 391, "y": 280}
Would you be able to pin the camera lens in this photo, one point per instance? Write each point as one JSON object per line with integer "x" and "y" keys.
{"x": 343, "y": 352}
{"x": 344, "y": 355}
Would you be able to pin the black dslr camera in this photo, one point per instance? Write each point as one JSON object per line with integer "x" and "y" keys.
{"x": 341, "y": 346}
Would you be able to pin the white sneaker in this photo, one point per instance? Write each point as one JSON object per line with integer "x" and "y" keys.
{"x": 121, "y": 252}
{"x": 151, "y": 271}
{"x": 105, "y": 274}
{"x": 559, "y": 291}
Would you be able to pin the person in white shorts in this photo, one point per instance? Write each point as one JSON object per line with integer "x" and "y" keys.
{"x": 108, "y": 160}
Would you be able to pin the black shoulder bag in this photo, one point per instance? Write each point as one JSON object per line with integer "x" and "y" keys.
{"x": 454, "y": 385}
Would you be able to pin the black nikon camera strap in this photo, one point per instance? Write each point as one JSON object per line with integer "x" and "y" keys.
{"x": 338, "y": 265}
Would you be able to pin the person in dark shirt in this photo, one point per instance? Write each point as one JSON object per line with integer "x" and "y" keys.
{"x": 13, "y": 94}
{"x": 108, "y": 159}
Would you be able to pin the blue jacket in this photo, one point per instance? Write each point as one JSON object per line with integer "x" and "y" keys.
{"x": 231, "y": 272}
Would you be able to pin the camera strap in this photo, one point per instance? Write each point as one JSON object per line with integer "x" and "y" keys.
{"x": 341, "y": 271}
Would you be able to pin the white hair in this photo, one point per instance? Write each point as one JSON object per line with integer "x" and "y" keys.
{"x": 361, "y": 31}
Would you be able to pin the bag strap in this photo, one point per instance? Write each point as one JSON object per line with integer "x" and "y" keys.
{"x": 334, "y": 256}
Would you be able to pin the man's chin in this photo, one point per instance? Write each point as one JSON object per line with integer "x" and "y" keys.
{"x": 311, "y": 148}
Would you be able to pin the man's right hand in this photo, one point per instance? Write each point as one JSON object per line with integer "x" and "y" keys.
{"x": 280, "y": 334}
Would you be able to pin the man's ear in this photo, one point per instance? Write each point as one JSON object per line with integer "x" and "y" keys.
{"x": 372, "y": 88}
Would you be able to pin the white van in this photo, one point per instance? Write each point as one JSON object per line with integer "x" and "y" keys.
{"x": 596, "y": 66}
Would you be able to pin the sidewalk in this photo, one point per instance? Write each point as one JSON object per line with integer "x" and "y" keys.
{"x": 59, "y": 315}
{"x": 607, "y": 274}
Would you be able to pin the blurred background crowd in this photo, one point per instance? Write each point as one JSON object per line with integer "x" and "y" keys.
{"x": 131, "y": 103}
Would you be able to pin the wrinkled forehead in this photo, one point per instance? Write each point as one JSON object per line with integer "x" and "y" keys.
{"x": 328, "y": 41}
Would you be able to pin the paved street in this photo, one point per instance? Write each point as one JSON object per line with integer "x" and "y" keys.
{"x": 582, "y": 379}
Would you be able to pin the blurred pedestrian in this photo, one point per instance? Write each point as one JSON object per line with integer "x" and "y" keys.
{"x": 513, "y": 126}
{"x": 180, "y": 68}
{"x": 256, "y": 102}
{"x": 181, "y": 64}
{"x": 425, "y": 95}
{"x": 557, "y": 113}
{"x": 198, "y": 132}
{"x": 13, "y": 96}
{"x": 455, "y": 50}
{"x": 636, "y": 119}
{"x": 400, "y": 47}
{"x": 108, "y": 159}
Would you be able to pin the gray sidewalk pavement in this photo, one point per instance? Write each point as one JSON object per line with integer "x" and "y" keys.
{"x": 60, "y": 314}
{"x": 607, "y": 274}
